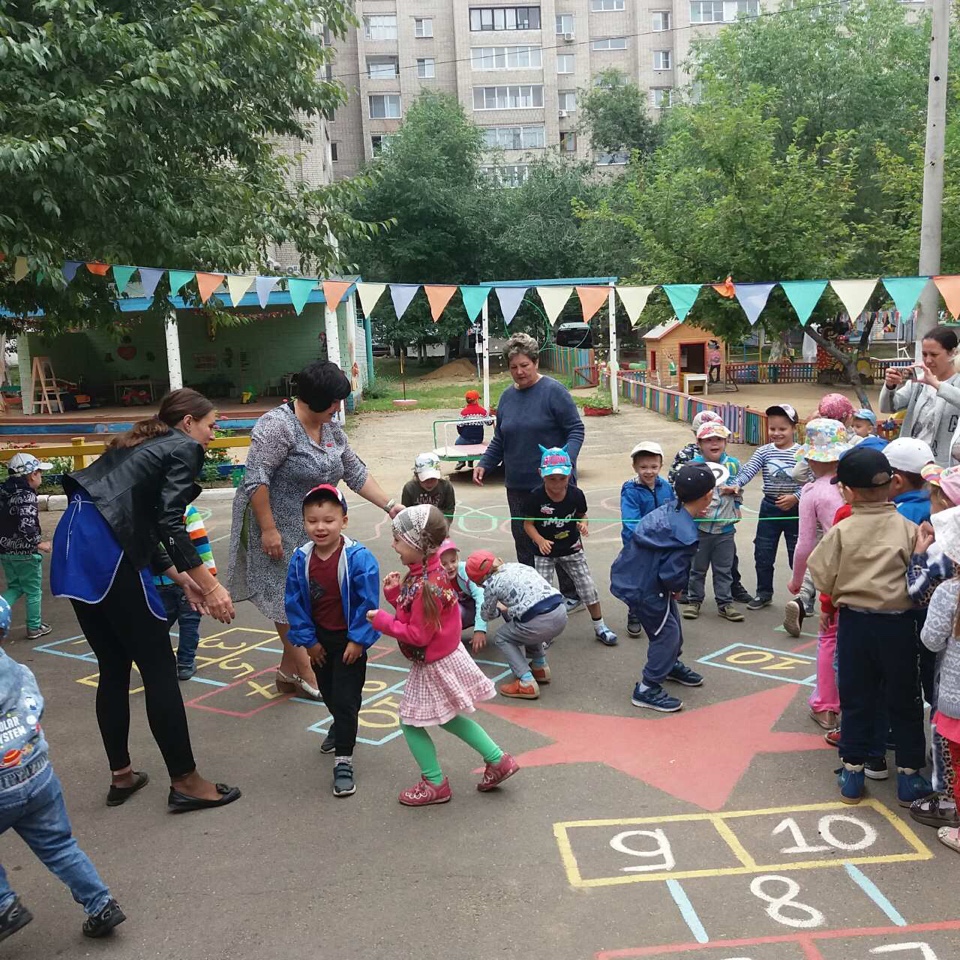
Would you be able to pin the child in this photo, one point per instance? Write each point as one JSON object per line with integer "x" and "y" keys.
{"x": 561, "y": 511}
{"x": 20, "y": 539}
{"x": 826, "y": 443}
{"x": 650, "y": 570}
{"x": 690, "y": 451}
{"x": 865, "y": 429}
{"x": 861, "y": 563}
{"x": 175, "y": 602}
{"x": 31, "y": 803}
{"x": 469, "y": 594}
{"x": 534, "y": 616}
{"x": 835, "y": 406}
{"x": 333, "y": 582}
{"x": 781, "y": 496}
{"x": 443, "y": 683}
{"x": 429, "y": 486}
{"x": 717, "y": 547}
{"x": 470, "y": 433}
{"x": 714, "y": 359}
{"x": 908, "y": 456}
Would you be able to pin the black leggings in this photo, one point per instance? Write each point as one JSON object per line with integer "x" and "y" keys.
{"x": 122, "y": 631}
{"x": 341, "y": 685}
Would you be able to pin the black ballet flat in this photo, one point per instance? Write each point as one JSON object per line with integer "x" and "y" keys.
{"x": 117, "y": 795}
{"x": 179, "y": 802}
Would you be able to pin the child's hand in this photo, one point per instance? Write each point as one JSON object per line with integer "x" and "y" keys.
{"x": 584, "y": 529}
{"x": 924, "y": 538}
{"x": 787, "y": 502}
{"x": 825, "y": 619}
{"x": 544, "y": 546}
{"x": 391, "y": 581}
{"x": 317, "y": 654}
{"x": 793, "y": 587}
{"x": 478, "y": 642}
{"x": 352, "y": 652}
{"x": 44, "y": 546}
{"x": 734, "y": 490}
{"x": 371, "y": 615}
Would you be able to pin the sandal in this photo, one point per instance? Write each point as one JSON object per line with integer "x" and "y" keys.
{"x": 935, "y": 810}
{"x": 117, "y": 795}
{"x": 284, "y": 683}
{"x": 948, "y": 837}
{"x": 311, "y": 693}
{"x": 179, "y": 802}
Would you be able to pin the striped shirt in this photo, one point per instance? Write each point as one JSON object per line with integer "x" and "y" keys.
{"x": 201, "y": 542}
{"x": 777, "y": 466}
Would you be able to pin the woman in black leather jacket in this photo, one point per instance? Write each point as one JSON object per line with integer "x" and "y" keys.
{"x": 124, "y": 522}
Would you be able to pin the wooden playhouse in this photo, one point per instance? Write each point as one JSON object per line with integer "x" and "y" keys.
{"x": 676, "y": 350}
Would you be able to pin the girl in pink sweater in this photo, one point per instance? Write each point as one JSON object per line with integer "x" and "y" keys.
{"x": 826, "y": 442}
{"x": 444, "y": 683}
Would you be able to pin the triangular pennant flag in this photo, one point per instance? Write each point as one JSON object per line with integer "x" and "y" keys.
{"x": 949, "y": 288}
{"x": 121, "y": 277}
{"x": 70, "y": 269}
{"x": 473, "y": 300}
{"x": 149, "y": 278}
{"x": 591, "y": 300}
{"x": 300, "y": 288}
{"x": 438, "y": 296}
{"x": 98, "y": 269}
{"x": 265, "y": 286}
{"x": 753, "y": 298}
{"x": 207, "y": 283}
{"x": 905, "y": 292}
{"x": 510, "y": 299}
{"x": 634, "y": 299}
{"x": 178, "y": 279}
{"x": 854, "y": 294}
{"x": 238, "y": 287}
{"x": 682, "y": 297}
{"x": 554, "y": 300}
{"x": 402, "y": 294}
{"x": 334, "y": 291}
{"x": 19, "y": 269}
{"x": 726, "y": 289}
{"x": 370, "y": 293}
{"x": 803, "y": 295}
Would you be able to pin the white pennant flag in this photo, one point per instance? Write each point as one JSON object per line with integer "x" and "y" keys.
{"x": 854, "y": 294}
{"x": 634, "y": 299}
{"x": 238, "y": 287}
{"x": 370, "y": 293}
{"x": 554, "y": 300}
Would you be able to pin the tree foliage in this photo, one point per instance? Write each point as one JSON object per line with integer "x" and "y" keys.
{"x": 614, "y": 115}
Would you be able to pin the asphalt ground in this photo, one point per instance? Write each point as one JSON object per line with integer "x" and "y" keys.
{"x": 716, "y": 832}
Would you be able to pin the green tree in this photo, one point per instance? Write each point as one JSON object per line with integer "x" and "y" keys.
{"x": 614, "y": 115}
{"x": 147, "y": 133}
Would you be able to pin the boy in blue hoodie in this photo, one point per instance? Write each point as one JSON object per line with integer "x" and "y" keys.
{"x": 31, "y": 803}
{"x": 909, "y": 492}
{"x": 332, "y": 583}
{"x": 650, "y": 570}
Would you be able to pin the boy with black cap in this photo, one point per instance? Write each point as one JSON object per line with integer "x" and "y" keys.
{"x": 650, "y": 570}
{"x": 861, "y": 564}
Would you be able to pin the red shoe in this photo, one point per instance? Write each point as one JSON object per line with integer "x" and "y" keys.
{"x": 519, "y": 690}
{"x": 496, "y": 773}
{"x": 833, "y": 737}
{"x": 426, "y": 793}
{"x": 541, "y": 674}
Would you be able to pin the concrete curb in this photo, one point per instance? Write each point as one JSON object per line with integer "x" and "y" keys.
{"x": 57, "y": 503}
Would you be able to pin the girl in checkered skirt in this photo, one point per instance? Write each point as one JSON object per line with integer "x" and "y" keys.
{"x": 444, "y": 683}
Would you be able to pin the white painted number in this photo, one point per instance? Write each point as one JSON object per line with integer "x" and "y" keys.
{"x": 926, "y": 952}
{"x": 812, "y": 918}
{"x": 825, "y": 829}
{"x": 661, "y": 850}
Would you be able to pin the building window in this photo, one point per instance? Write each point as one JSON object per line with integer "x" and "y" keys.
{"x": 602, "y": 6}
{"x": 610, "y": 43}
{"x": 426, "y": 68}
{"x": 662, "y": 60}
{"x": 504, "y": 18}
{"x": 423, "y": 27}
{"x": 385, "y": 69}
{"x": 567, "y": 100}
{"x": 334, "y": 151}
{"x": 385, "y": 106}
{"x": 661, "y": 20}
{"x": 564, "y": 23}
{"x": 722, "y": 11}
{"x": 380, "y": 142}
{"x": 565, "y": 63}
{"x": 506, "y": 58}
{"x": 661, "y": 97}
{"x": 380, "y": 28}
{"x": 519, "y": 97}
{"x": 568, "y": 141}
{"x": 617, "y": 159}
{"x": 508, "y": 175}
{"x": 748, "y": 8}
{"x": 514, "y": 138}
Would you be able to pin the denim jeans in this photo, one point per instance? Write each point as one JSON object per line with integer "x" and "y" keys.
{"x": 35, "y": 810}
{"x": 180, "y": 612}
{"x": 770, "y": 527}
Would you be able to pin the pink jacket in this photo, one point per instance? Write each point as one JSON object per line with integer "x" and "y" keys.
{"x": 410, "y": 625}
{"x": 818, "y": 506}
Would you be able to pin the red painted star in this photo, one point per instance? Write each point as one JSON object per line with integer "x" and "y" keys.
{"x": 698, "y": 755}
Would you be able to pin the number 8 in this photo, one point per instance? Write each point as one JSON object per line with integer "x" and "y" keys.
{"x": 776, "y": 904}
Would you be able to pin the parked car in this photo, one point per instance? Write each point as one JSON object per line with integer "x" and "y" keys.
{"x": 380, "y": 349}
{"x": 574, "y": 335}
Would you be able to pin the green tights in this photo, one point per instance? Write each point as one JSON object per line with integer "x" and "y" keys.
{"x": 425, "y": 753}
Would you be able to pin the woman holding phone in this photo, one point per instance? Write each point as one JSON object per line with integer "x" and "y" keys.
{"x": 930, "y": 393}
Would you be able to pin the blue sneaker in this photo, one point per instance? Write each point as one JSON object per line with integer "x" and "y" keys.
{"x": 851, "y": 779}
{"x": 911, "y": 785}
{"x": 607, "y": 637}
{"x": 681, "y": 673}
{"x": 655, "y": 698}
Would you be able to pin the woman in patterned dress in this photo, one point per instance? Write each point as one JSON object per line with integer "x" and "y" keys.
{"x": 293, "y": 448}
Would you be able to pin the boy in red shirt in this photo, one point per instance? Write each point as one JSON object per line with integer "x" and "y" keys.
{"x": 470, "y": 433}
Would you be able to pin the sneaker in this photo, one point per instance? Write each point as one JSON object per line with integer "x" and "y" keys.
{"x": 495, "y": 773}
{"x": 186, "y": 670}
{"x": 690, "y": 611}
{"x": 343, "y": 785}
{"x": 607, "y": 637}
{"x": 520, "y": 690}
{"x": 833, "y": 738}
{"x": 810, "y": 608}
{"x": 911, "y": 785}
{"x": 634, "y": 629}
{"x": 541, "y": 674}
{"x": 682, "y": 674}
{"x": 35, "y": 633}
{"x": 793, "y": 614}
{"x": 758, "y": 603}
{"x": 875, "y": 768}
{"x": 426, "y": 793}
{"x": 740, "y": 594}
{"x": 655, "y": 698}
{"x": 461, "y": 464}
{"x": 329, "y": 742}
{"x": 574, "y": 605}
{"x": 850, "y": 778}
{"x": 100, "y": 924}
{"x": 14, "y": 918}
{"x": 731, "y": 613}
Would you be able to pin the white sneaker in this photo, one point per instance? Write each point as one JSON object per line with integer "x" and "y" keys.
{"x": 37, "y": 632}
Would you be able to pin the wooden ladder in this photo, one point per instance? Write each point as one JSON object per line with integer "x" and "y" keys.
{"x": 44, "y": 392}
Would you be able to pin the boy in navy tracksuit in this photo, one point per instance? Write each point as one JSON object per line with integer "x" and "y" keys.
{"x": 332, "y": 583}
{"x": 650, "y": 570}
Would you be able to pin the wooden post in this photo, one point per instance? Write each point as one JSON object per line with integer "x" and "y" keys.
{"x": 79, "y": 459}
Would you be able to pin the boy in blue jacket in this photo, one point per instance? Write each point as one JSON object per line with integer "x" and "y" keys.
{"x": 332, "y": 583}
{"x": 650, "y": 570}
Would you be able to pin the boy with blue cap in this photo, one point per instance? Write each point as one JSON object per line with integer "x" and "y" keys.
{"x": 864, "y": 427}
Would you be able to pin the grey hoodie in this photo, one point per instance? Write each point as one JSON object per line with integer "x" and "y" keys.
{"x": 944, "y": 426}
{"x": 22, "y": 742}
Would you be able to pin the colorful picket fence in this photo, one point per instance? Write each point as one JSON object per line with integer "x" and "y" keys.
{"x": 576, "y": 363}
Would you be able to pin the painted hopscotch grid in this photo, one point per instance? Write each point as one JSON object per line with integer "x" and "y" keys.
{"x": 766, "y": 662}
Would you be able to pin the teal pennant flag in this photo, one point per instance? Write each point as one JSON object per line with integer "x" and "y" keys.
{"x": 682, "y": 297}
{"x": 803, "y": 295}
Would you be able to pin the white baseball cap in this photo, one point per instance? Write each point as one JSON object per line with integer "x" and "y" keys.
{"x": 647, "y": 446}
{"x": 23, "y": 464}
{"x": 908, "y": 454}
{"x": 427, "y": 467}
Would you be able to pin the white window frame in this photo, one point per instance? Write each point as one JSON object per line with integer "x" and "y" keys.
{"x": 728, "y": 10}
{"x": 609, "y": 43}
{"x": 426, "y": 68}
{"x": 423, "y": 28}
{"x": 607, "y": 6}
{"x": 383, "y": 63}
{"x": 385, "y": 97}
{"x": 568, "y": 60}
{"x": 662, "y": 59}
{"x": 564, "y": 97}
{"x": 528, "y": 137}
{"x": 618, "y": 159}
{"x": 664, "y": 17}
{"x": 381, "y": 30}
{"x": 499, "y": 58}
{"x": 518, "y": 174}
{"x": 664, "y": 95}
{"x": 509, "y": 96}
{"x": 566, "y": 23}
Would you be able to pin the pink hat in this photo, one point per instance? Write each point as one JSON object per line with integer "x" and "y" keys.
{"x": 948, "y": 480}
{"x": 447, "y": 544}
{"x": 835, "y": 406}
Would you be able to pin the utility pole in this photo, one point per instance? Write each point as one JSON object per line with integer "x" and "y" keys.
{"x": 932, "y": 212}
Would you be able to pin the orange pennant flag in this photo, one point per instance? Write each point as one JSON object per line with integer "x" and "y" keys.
{"x": 333, "y": 292}
{"x": 725, "y": 289}
{"x": 949, "y": 288}
{"x": 591, "y": 300}
{"x": 438, "y": 296}
{"x": 207, "y": 283}
{"x": 98, "y": 269}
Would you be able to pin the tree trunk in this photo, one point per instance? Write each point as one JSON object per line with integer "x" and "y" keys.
{"x": 848, "y": 360}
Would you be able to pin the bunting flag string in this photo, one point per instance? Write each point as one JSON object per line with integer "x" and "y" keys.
{"x": 682, "y": 297}
{"x": 510, "y": 299}
{"x": 20, "y": 269}
{"x": 854, "y": 294}
{"x": 264, "y": 287}
{"x": 554, "y": 299}
{"x": 70, "y": 269}
{"x": 334, "y": 291}
{"x": 402, "y": 294}
{"x": 369, "y": 294}
{"x": 473, "y": 300}
{"x": 905, "y": 292}
{"x": 237, "y": 287}
{"x": 178, "y": 280}
{"x": 207, "y": 283}
{"x": 121, "y": 277}
{"x": 438, "y": 296}
{"x": 634, "y": 299}
{"x": 803, "y": 295}
{"x": 300, "y": 288}
{"x": 591, "y": 300}
{"x": 753, "y": 298}
{"x": 949, "y": 288}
